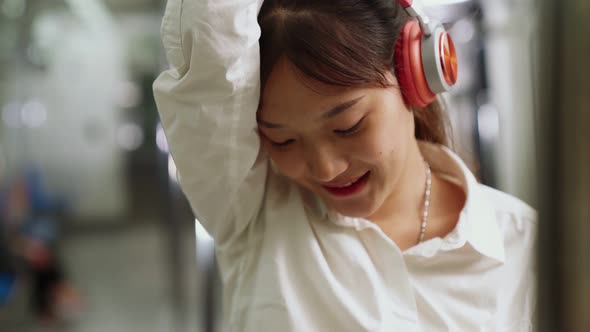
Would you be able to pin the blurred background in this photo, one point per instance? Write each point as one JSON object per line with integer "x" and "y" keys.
{"x": 95, "y": 234}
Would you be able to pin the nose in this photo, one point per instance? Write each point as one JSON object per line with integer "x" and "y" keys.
{"x": 324, "y": 162}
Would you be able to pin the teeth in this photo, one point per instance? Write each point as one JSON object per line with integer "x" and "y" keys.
{"x": 348, "y": 184}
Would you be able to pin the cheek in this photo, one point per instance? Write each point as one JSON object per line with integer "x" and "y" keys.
{"x": 287, "y": 163}
{"x": 370, "y": 149}
{"x": 394, "y": 134}
{"x": 377, "y": 145}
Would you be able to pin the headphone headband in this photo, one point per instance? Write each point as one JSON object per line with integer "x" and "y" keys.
{"x": 414, "y": 9}
{"x": 405, "y": 3}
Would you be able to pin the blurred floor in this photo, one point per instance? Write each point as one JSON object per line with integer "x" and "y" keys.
{"x": 122, "y": 278}
{"x": 125, "y": 280}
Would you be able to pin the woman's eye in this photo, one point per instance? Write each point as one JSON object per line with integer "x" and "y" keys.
{"x": 282, "y": 144}
{"x": 350, "y": 130}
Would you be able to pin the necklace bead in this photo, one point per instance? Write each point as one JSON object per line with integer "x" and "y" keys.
{"x": 426, "y": 201}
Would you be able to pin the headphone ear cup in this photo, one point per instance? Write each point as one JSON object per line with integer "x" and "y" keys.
{"x": 409, "y": 67}
{"x": 402, "y": 69}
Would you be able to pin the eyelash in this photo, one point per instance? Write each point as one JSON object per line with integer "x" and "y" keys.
{"x": 282, "y": 144}
{"x": 350, "y": 130}
{"x": 345, "y": 132}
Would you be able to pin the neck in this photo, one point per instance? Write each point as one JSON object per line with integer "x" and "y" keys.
{"x": 403, "y": 207}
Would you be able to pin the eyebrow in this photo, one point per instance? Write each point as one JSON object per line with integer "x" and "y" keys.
{"x": 338, "y": 109}
{"x": 341, "y": 108}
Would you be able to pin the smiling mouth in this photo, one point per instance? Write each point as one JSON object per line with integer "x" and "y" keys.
{"x": 349, "y": 188}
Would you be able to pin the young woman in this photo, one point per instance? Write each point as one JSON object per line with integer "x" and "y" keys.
{"x": 333, "y": 196}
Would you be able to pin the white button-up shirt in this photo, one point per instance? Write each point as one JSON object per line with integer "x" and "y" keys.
{"x": 288, "y": 264}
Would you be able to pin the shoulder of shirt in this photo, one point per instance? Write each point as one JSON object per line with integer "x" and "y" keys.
{"x": 508, "y": 205}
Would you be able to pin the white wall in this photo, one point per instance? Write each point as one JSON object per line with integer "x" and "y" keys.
{"x": 509, "y": 28}
{"x": 78, "y": 87}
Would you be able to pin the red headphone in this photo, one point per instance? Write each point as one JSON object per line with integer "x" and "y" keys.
{"x": 425, "y": 58}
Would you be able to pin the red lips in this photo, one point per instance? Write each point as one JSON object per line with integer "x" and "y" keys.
{"x": 346, "y": 189}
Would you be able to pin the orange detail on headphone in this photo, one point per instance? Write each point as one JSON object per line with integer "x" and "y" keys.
{"x": 448, "y": 58}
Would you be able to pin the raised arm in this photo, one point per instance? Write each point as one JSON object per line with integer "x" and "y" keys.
{"x": 207, "y": 102}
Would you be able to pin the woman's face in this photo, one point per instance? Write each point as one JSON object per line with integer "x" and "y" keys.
{"x": 349, "y": 146}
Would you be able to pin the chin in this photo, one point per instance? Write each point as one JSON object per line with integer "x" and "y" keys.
{"x": 361, "y": 210}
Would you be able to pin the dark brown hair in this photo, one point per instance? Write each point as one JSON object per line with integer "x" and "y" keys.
{"x": 346, "y": 43}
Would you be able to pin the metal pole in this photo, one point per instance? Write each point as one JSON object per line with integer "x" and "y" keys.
{"x": 564, "y": 136}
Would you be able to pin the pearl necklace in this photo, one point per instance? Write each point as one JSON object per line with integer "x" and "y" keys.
{"x": 426, "y": 202}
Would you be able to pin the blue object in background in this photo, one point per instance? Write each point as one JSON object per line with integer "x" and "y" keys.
{"x": 41, "y": 224}
{"x": 7, "y": 284}
{"x": 42, "y": 202}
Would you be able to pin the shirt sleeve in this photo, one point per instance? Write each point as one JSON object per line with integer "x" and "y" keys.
{"x": 207, "y": 102}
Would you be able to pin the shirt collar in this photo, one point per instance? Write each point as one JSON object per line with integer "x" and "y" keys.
{"x": 477, "y": 223}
